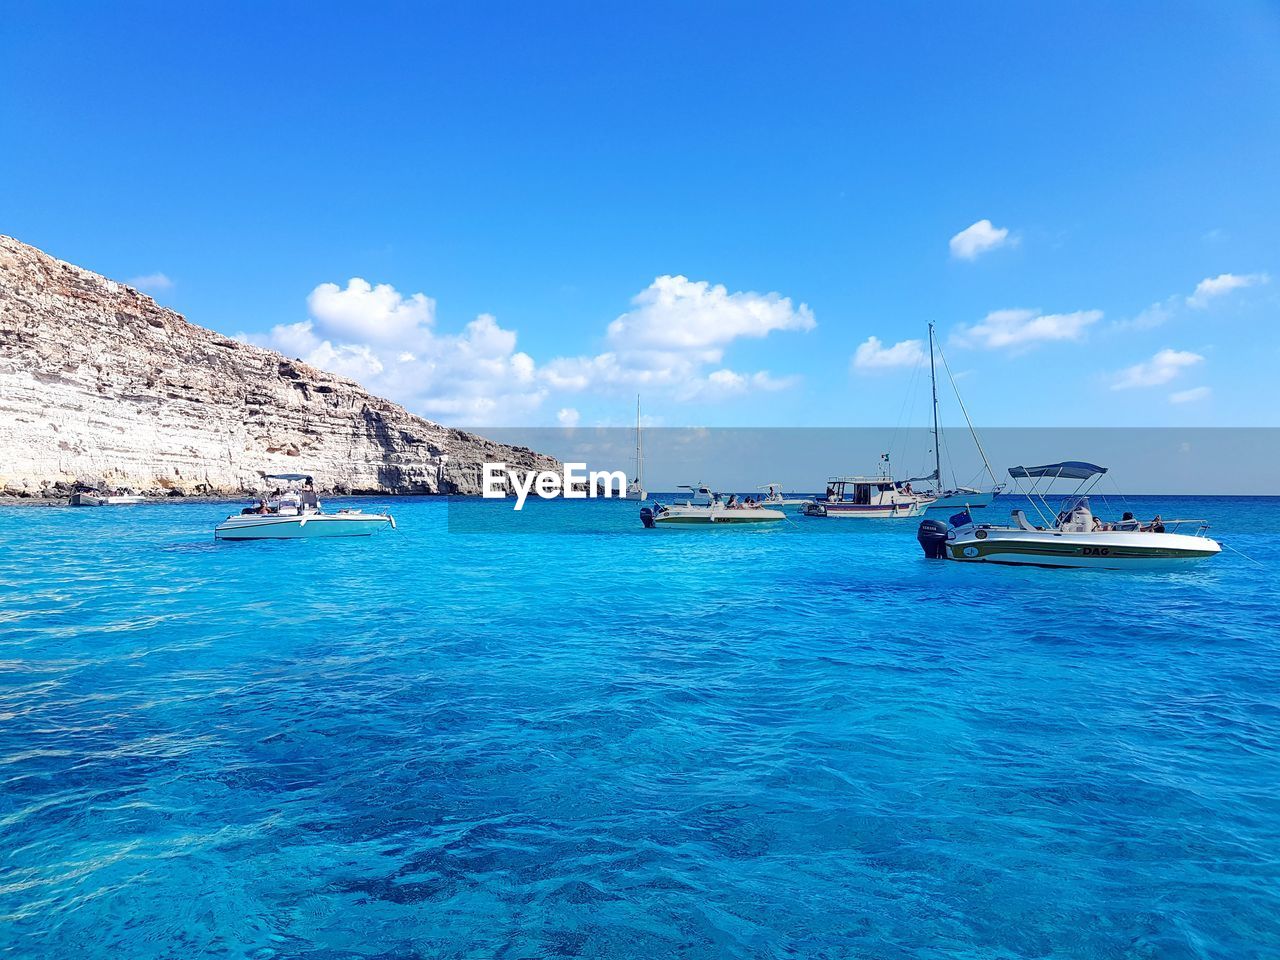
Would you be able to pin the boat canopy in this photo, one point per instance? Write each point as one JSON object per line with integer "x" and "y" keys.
{"x": 1067, "y": 470}
{"x": 287, "y": 476}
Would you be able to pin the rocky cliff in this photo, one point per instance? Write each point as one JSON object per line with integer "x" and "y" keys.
{"x": 97, "y": 380}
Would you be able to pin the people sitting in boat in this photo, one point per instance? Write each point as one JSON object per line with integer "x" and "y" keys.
{"x": 831, "y": 494}
{"x": 1157, "y": 525}
{"x": 907, "y": 487}
{"x": 732, "y": 502}
{"x": 309, "y": 499}
{"x": 1128, "y": 522}
{"x": 259, "y": 507}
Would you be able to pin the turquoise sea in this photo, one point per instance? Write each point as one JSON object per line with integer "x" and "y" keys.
{"x": 790, "y": 742}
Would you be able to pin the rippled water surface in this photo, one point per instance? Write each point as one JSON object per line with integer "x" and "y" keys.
{"x": 629, "y": 743}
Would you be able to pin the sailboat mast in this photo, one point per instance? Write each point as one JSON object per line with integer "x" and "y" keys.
{"x": 937, "y": 451}
{"x": 639, "y": 447}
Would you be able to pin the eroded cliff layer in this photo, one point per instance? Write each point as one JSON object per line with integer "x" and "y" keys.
{"x": 99, "y": 381}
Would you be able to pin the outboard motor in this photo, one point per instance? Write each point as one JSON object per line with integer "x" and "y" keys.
{"x": 933, "y": 539}
{"x": 646, "y": 517}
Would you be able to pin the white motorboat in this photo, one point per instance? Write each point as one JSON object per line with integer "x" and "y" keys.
{"x": 1070, "y": 537}
{"x": 635, "y": 489}
{"x": 879, "y": 497}
{"x": 704, "y": 507}
{"x": 297, "y": 514}
{"x": 87, "y": 498}
{"x": 775, "y": 499}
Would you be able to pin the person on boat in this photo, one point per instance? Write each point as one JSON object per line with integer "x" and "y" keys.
{"x": 907, "y": 488}
{"x": 309, "y": 499}
{"x": 1098, "y": 525}
{"x": 732, "y": 502}
{"x": 1157, "y": 525}
{"x": 831, "y": 493}
{"x": 1128, "y": 522}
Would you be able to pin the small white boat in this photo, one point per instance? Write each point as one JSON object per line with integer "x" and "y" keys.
{"x": 775, "y": 499}
{"x": 869, "y": 498}
{"x": 963, "y": 498}
{"x": 1071, "y": 537}
{"x": 85, "y": 498}
{"x": 703, "y": 507}
{"x": 297, "y": 514}
{"x": 635, "y": 489}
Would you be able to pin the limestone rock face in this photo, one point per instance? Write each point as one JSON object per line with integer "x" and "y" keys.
{"x": 98, "y": 380}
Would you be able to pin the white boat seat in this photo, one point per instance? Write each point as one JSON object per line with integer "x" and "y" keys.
{"x": 1020, "y": 518}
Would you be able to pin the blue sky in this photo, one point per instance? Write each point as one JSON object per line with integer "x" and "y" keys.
{"x": 569, "y": 187}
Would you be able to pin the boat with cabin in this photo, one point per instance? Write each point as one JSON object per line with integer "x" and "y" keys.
{"x": 869, "y": 498}
{"x": 1071, "y": 536}
{"x": 295, "y": 514}
{"x": 704, "y": 507}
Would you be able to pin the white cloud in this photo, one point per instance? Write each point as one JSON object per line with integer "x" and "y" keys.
{"x": 151, "y": 282}
{"x": 388, "y": 342}
{"x": 1190, "y": 396}
{"x": 364, "y": 312}
{"x": 1026, "y": 328}
{"x": 1210, "y": 288}
{"x": 568, "y": 417}
{"x": 1156, "y": 315}
{"x": 676, "y": 329}
{"x": 1163, "y": 367}
{"x": 977, "y": 239}
{"x": 874, "y": 355}
{"x": 678, "y": 314}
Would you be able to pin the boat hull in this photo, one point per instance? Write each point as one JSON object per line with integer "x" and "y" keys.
{"x": 257, "y": 527}
{"x": 701, "y": 517}
{"x": 962, "y": 501}
{"x": 95, "y": 500}
{"x": 858, "y": 511}
{"x": 1116, "y": 550}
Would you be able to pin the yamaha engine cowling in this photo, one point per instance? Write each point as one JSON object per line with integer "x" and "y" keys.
{"x": 646, "y": 517}
{"x": 933, "y": 539}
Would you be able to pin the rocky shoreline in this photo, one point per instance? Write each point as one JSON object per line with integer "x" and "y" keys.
{"x": 99, "y": 381}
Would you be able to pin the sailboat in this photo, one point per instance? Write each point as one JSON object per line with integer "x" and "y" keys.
{"x": 958, "y": 497}
{"x": 635, "y": 489}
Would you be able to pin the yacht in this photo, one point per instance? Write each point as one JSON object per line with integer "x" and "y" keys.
{"x": 1071, "y": 536}
{"x": 879, "y": 497}
{"x": 635, "y": 489}
{"x": 704, "y": 506}
{"x": 297, "y": 514}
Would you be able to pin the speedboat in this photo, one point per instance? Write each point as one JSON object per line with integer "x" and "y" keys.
{"x": 879, "y": 497}
{"x": 297, "y": 514}
{"x": 775, "y": 499}
{"x": 705, "y": 506}
{"x": 88, "y": 498}
{"x": 635, "y": 488}
{"x": 1070, "y": 537}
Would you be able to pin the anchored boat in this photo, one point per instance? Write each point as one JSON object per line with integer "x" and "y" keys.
{"x": 969, "y": 498}
{"x": 89, "y": 498}
{"x": 879, "y": 497}
{"x": 704, "y": 506}
{"x": 297, "y": 514}
{"x": 635, "y": 489}
{"x": 777, "y": 500}
{"x": 1072, "y": 536}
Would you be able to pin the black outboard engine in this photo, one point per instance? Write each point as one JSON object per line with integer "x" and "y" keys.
{"x": 646, "y": 517}
{"x": 933, "y": 539}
